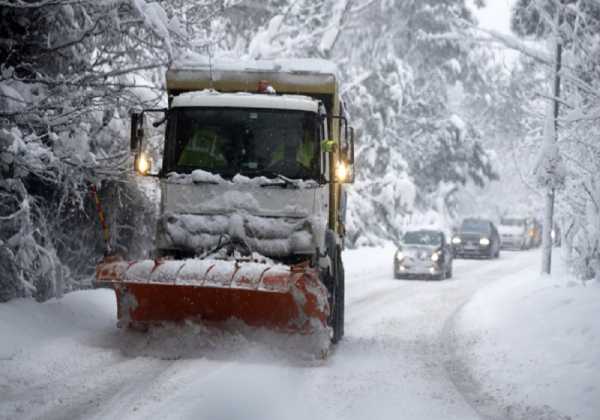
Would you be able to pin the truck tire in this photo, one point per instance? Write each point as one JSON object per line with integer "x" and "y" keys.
{"x": 337, "y": 318}
{"x": 342, "y": 297}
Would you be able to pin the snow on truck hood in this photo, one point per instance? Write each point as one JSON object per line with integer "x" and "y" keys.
{"x": 212, "y": 98}
{"x": 214, "y": 195}
{"x": 200, "y": 176}
{"x": 198, "y": 209}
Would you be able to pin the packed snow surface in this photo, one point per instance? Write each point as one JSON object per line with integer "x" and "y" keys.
{"x": 66, "y": 359}
{"x": 209, "y": 272}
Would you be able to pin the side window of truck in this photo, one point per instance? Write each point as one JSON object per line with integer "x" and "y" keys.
{"x": 323, "y": 136}
{"x": 343, "y": 130}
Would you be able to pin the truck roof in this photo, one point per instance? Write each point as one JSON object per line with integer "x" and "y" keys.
{"x": 211, "y": 98}
{"x": 290, "y": 76}
{"x": 285, "y": 65}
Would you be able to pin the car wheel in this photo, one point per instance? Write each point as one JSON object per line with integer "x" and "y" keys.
{"x": 449, "y": 272}
{"x": 440, "y": 276}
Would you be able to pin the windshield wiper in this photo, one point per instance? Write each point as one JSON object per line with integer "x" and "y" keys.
{"x": 276, "y": 179}
{"x": 280, "y": 181}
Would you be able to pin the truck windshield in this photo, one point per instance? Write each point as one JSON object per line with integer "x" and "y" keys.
{"x": 251, "y": 142}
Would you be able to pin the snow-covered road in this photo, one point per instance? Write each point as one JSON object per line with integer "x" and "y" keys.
{"x": 66, "y": 359}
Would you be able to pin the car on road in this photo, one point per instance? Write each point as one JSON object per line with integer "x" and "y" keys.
{"x": 476, "y": 238}
{"x": 514, "y": 233}
{"x": 423, "y": 253}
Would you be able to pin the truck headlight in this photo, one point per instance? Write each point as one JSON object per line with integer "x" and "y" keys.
{"x": 142, "y": 164}
{"x": 435, "y": 257}
{"x": 484, "y": 241}
{"x": 456, "y": 240}
{"x": 341, "y": 171}
{"x": 399, "y": 256}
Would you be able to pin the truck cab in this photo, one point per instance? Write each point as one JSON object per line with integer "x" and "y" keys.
{"x": 254, "y": 163}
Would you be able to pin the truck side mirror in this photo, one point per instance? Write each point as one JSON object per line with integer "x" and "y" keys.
{"x": 137, "y": 131}
{"x": 323, "y": 135}
{"x": 142, "y": 162}
{"x": 351, "y": 151}
{"x": 345, "y": 168}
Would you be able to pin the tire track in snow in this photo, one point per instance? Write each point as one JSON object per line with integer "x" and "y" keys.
{"x": 463, "y": 378}
{"x": 395, "y": 310}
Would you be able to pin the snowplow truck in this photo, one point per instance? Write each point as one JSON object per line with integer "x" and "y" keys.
{"x": 252, "y": 209}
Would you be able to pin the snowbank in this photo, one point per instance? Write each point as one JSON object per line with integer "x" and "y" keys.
{"x": 533, "y": 343}
{"x": 24, "y": 322}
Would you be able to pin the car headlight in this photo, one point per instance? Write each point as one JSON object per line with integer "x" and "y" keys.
{"x": 456, "y": 240}
{"x": 484, "y": 241}
{"x": 399, "y": 256}
{"x": 435, "y": 256}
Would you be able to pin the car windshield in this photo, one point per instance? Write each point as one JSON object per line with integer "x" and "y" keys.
{"x": 473, "y": 225}
{"x": 422, "y": 237}
{"x": 512, "y": 222}
{"x": 252, "y": 142}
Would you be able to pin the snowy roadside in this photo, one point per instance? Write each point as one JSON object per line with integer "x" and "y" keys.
{"x": 532, "y": 343}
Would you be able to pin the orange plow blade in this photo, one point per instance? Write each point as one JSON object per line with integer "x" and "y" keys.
{"x": 279, "y": 297}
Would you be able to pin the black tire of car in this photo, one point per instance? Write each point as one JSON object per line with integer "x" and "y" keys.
{"x": 449, "y": 272}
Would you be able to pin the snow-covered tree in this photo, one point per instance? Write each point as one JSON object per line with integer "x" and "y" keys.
{"x": 70, "y": 73}
{"x": 573, "y": 160}
{"x": 73, "y": 71}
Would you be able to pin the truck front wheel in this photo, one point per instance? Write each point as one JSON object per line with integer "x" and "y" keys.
{"x": 337, "y": 315}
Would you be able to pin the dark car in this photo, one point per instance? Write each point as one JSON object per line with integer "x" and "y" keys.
{"x": 423, "y": 253}
{"x": 476, "y": 238}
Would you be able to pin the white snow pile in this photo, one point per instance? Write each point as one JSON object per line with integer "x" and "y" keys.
{"x": 533, "y": 343}
{"x": 233, "y": 339}
{"x": 285, "y": 65}
{"x": 267, "y": 236}
{"x": 208, "y": 272}
{"x": 200, "y": 176}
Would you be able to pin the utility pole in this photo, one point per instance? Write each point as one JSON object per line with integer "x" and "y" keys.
{"x": 551, "y": 192}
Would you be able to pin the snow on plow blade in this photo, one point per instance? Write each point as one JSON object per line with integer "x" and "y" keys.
{"x": 279, "y": 297}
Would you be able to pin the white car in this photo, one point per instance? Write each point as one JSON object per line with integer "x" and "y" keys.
{"x": 513, "y": 233}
